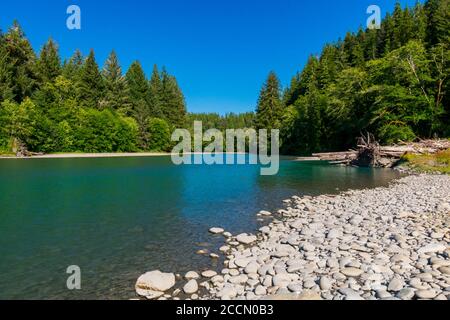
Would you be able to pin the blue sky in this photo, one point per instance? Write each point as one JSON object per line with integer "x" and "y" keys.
{"x": 220, "y": 51}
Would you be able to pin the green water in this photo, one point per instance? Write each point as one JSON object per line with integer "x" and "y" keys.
{"x": 120, "y": 217}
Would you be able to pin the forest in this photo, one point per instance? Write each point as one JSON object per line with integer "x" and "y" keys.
{"x": 391, "y": 82}
{"x": 49, "y": 106}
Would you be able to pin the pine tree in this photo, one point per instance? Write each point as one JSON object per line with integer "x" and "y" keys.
{"x": 117, "y": 92}
{"x": 155, "y": 93}
{"x": 90, "y": 85}
{"x": 19, "y": 63}
{"x": 6, "y": 81}
{"x": 269, "y": 111}
{"x": 419, "y": 22}
{"x": 438, "y": 28}
{"x": 173, "y": 105}
{"x": 49, "y": 63}
{"x": 397, "y": 27}
{"x": 71, "y": 68}
{"x": 139, "y": 97}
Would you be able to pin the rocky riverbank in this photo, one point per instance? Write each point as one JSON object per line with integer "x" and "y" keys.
{"x": 383, "y": 243}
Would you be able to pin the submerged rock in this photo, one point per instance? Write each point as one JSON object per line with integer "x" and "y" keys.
{"x": 155, "y": 281}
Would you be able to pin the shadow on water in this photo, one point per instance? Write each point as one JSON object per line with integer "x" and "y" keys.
{"x": 117, "y": 218}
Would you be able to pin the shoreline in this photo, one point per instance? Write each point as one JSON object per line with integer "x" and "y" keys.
{"x": 127, "y": 155}
{"x": 386, "y": 243}
{"x": 89, "y": 155}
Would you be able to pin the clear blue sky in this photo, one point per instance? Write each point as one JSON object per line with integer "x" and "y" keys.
{"x": 220, "y": 51}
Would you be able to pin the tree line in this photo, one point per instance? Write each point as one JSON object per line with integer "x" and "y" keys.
{"x": 47, "y": 105}
{"x": 392, "y": 82}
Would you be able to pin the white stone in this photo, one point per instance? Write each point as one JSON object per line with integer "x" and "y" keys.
{"x": 246, "y": 239}
{"x": 432, "y": 248}
{"x": 209, "y": 274}
{"x": 191, "y": 275}
{"x": 191, "y": 287}
{"x": 216, "y": 230}
{"x": 156, "y": 281}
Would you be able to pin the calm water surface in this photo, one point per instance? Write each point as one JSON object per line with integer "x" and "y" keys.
{"x": 117, "y": 218}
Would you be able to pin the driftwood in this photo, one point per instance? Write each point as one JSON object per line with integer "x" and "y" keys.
{"x": 370, "y": 153}
{"x": 21, "y": 150}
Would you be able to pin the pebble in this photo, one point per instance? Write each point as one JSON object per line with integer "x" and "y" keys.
{"x": 426, "y": 294}
{"x": 352, "y": 272}
{"x": 209, "y": 274}
{"x": 216, "y": 230}
{"x": 191, "y": 287}
{"x": 388, "y": 243}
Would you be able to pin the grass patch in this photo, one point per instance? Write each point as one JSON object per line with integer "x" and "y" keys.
{"x": 438, "y": 162}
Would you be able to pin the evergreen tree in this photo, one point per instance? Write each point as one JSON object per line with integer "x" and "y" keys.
{"x": 155, "y": 93}
{"x": 117, "y": 92}
{"x": 438, "y": 28}
{"x": 90, "y": 85}
{"x": 6, "y": 81}
{"x": 173, "y": 105}
{"x": 18, "y": 62}
{"x": 71, "y": 68}
{"x": 269, "y": 111}
{"x": 49, "y": 63}
{"x": 139, "y": 97}
{"x": 419, "y": 22}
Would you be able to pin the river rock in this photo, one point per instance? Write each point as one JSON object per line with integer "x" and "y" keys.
{"x": 444, "y": 270}
{"x": 426, "y": 294}
{"x": 191, "y": 287}
{"x": 216, "y": 230}
{"x": 246, "y": 239}
{"x": 432, "y": 248}
{"x": 209, "y": 274}
{"x": 352, "y": 272}
{"x": 406, "y": 294}
{"x": 396, "y": 285}
{"x": 281, "y": 280}
{"x": 325, "y": 283}
{"x": 149, "y": 294}
{"x": 156, "y": 281}
{"x": 260, "y": 290}
{"x": 191, "y": 275}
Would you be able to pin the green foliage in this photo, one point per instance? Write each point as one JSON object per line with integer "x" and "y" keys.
{"x": 392, "y": 82}
{"x": 90, "y": 84}
{"x": 17, "y": 62}
{"x": 173, "y": 105}
{"x": 73, "y": 107}
{"x": 48, "y": 66}
{"x": 159, "y": 135}
{"x": 439, "y": 162}
{"x": 270, "y": 108}
{"x": 117, "y": 92}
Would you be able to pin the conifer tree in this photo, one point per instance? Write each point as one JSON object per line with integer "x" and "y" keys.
{"x": 49, "y": 63}
{"x": 173, "y": 105}
{"x": 269, "y": 109}
{"x": 438, "y": 28}
{"x": 116, "y": 92}
{"x": 90, "y": 85}
{"x": 71, "y": 68}
{"x": 419, "y": 22}
{"x": 19, "y": 62}
{"x": 139, "y": 97}
{"x": 155, "y": 93}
